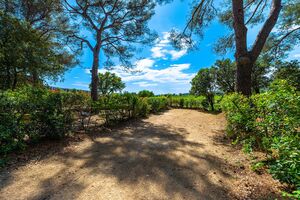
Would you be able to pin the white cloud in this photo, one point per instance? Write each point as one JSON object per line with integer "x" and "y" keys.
{"x": 144, "y": 63}
{"x": 163, "y": 49}
{"x": 297, "y": 55}
{"x": 144, "y": 84}
{"x": 158, "y": 52}
{"x": 177, "y": 54}
{"x": 172, "y": 74}
{"x": 81, "y": 84}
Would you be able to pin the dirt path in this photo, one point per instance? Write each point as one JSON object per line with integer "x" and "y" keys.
{"x": 180, "y": 154}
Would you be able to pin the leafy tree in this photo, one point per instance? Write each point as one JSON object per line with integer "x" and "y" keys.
{"x": 259, "y": 76}
{"x": 109, "y": 83}
{"x": 239, "y": 16}
{"x": 225, "y": 75}
{"x": 47, "y": 16}
{"x": 114, "y": 26}
{"x": 145, "y": 93}
{"x": 26, "y": 57}
{"x": 289, "y": 71}
{"x": 204, "y": 84}
{"x": 50, "y": 24}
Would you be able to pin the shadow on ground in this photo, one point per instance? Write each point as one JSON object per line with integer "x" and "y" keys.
{"x": 141, "y": 156}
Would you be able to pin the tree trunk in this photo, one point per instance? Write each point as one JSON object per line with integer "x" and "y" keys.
{"x": 95, "y": 78}
{"x": 245, "y": 59}
{"x": 15, "y": 79}
{"x": 211, "y": 101}
{"x": 243, "y": 75}
{"x": 8, "y": 78}
{"x": 35, "y": 78}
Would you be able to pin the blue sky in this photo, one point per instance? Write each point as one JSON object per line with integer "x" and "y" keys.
{"x": 161, "y": 68}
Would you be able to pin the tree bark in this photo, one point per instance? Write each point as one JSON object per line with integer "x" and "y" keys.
{"x": 243, "y": 75}
{"x": 245, "y": 59}
{"x": 211, "y": 101}
{"x": 95, "y": 78}
{"x": 15, "y": 79}
{"x": 35, "y": 78}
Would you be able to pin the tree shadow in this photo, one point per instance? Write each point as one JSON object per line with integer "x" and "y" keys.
{"x": 160, "y": 155}
{"x": 136, "y": 154}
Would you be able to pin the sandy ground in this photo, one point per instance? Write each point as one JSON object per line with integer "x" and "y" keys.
{"x": 180, "y": 154}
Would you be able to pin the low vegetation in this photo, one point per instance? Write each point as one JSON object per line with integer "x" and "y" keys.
{"x": 269, "y": 122}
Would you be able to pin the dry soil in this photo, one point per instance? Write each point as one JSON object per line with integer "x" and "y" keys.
{"x": 179, "y": 154}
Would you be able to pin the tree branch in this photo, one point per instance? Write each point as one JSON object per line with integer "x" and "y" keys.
{"x": 83, "y": 40}
{"x": 286, "y": 35}
{"x": 266, "y": 29}
{"x": 255, "y": 10}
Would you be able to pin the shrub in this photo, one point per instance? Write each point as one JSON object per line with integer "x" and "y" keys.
{"x": 286, "y": 163}
{"x": 145, "y": 93}
{"x": 119, "y": 107}
{"x": 239, "y": 115}
{"x": 269, "y": 121}
{"x": 191, "y": 102}
{"x": 157, "y": 104}
{"x": 28, "y": 114}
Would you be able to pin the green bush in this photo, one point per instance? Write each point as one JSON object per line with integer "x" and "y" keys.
{"x": 120, "y": 107}
{"x": 286, "y": 163}
{"x": 239, "y": 115}
{"x": 269, "y": 121}
{"x": 29, "y": 114}
{"x": 145, "y": 93}
{"x": 157, "y": 104}
{"x": 189, "y": 101}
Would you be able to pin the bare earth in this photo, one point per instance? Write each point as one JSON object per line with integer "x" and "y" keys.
{"x": 180, "y": 154}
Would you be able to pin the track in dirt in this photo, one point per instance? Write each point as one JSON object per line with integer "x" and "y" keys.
{"x": 180, "y": 154}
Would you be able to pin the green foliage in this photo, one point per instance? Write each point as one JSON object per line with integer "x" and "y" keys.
{"x": 225, "y": 75}
{"x": 190, "y": 101}
{"x": 204, "y": 83}
{"x": 157, "y": 104}
{"x": 269, "y": 121}
{"x": 257, "y": 166}
{"x": 259, "y": 79}
{"x": 289, "y": 71}
{"x": 286, "y": 165}
{"x": 29, "y": 114}
{"x": 26, "y": 57}
{"x": 145, "y": 93}
{"x": 120, "y": 107}
{"x": 239, "y": 115}
{"x": 109, "y": 83}
{"x": 295, "y": 194}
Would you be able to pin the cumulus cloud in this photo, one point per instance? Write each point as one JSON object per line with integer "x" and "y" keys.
{"x": 172, "y": 74}
{"x": 144, "y": 84}
{"x": 144, "y": 64}
{"x": 163, "y": 49}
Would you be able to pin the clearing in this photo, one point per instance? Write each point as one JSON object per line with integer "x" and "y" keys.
{"x": 180, "y": 154}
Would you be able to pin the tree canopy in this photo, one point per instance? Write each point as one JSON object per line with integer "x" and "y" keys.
{"x": 26, "y": 57}
{"x": 115, "y": 26}
{"x": 204, "y": 84}
{"x": 109, "y": 83}
{"x": 145, "y": 93}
